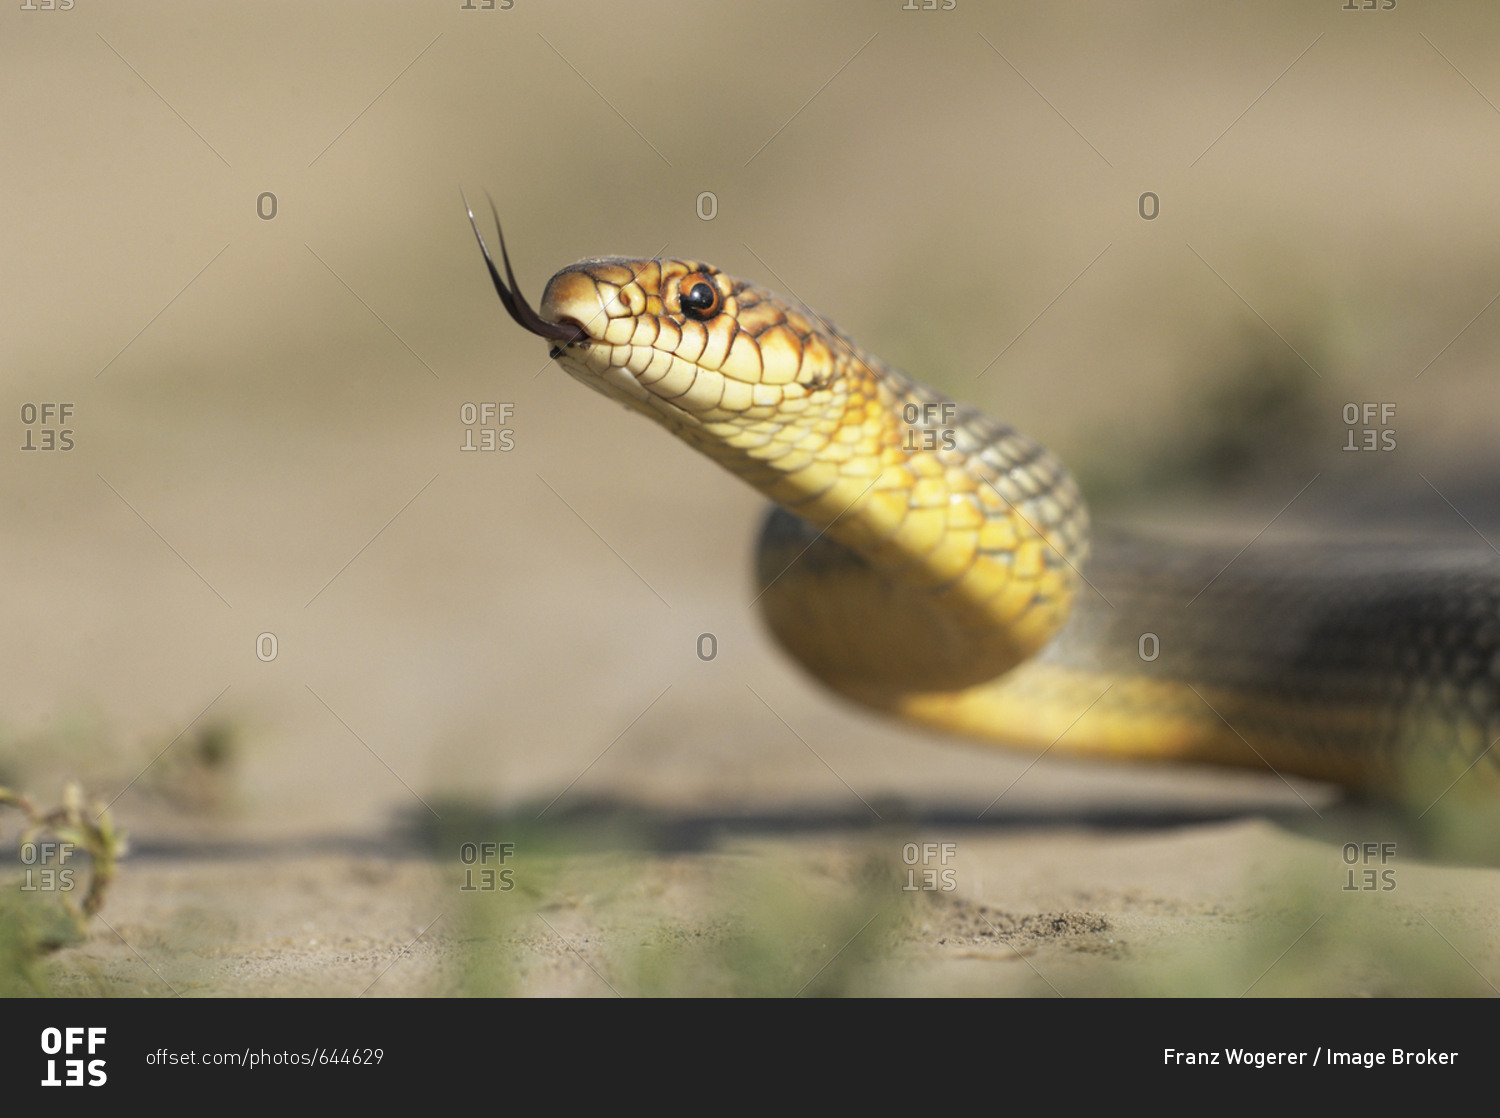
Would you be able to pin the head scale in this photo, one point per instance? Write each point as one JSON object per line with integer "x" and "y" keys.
{"x": 722, "y": 362}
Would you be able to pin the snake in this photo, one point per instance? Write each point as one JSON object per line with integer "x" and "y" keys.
{"x": 927, "y": 561}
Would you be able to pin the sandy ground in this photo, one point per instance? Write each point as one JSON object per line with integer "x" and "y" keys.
{"x": 268, "y": 441}
{"x": 806, "y": 904}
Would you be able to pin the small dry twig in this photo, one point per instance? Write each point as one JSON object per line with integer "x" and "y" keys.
{"x": 85, "y": 827}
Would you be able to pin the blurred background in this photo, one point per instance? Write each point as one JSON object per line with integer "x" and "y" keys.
{"x": 1173, "y": 241}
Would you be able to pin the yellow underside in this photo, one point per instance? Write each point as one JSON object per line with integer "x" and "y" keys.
{"x": 1066, "y": 712}
{"x": 1057, "y": 711}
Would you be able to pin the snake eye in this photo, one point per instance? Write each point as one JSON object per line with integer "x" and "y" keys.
{"x": 700, "y": 299}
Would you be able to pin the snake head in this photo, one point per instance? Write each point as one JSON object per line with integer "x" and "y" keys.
{"x": 682, "y": 342}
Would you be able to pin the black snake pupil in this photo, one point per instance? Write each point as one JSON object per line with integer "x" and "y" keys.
{"x": 699, "y": 299}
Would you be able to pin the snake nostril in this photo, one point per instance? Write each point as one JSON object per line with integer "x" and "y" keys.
{"x": 571, "y": 298}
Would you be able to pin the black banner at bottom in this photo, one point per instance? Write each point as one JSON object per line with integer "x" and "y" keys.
{"x": 212, "y": 1050}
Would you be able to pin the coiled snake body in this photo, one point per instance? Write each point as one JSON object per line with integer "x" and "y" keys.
{"x": 926, "y": 560}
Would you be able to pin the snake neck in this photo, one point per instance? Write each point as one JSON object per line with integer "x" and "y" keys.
{"x": 964, "y": 537}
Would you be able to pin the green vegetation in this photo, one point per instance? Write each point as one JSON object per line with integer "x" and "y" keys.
{"x": 38, "y": 913}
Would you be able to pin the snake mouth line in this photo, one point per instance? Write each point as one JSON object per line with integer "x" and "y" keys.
{"x": 617, "y": 382}
{"x": 515, "y": 303}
